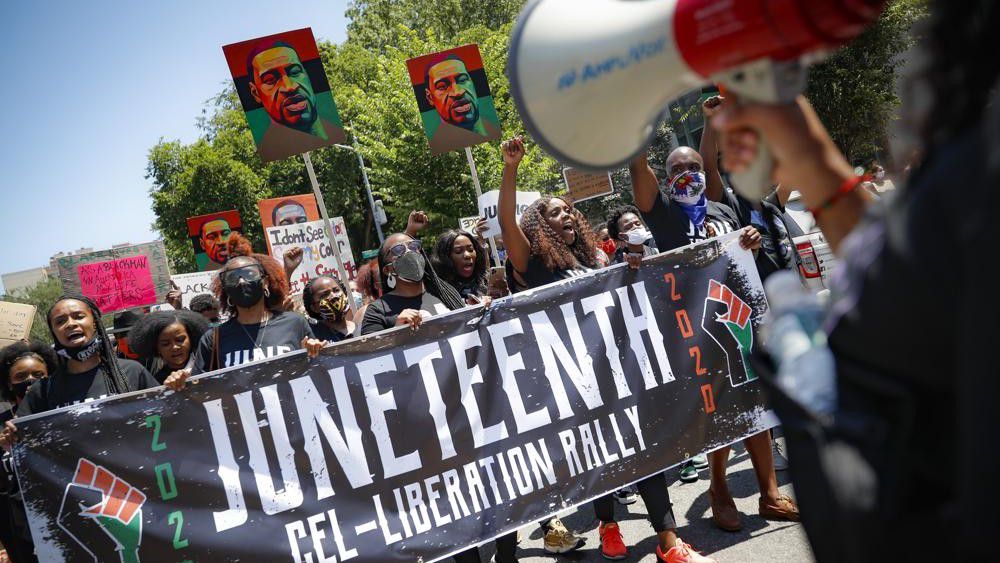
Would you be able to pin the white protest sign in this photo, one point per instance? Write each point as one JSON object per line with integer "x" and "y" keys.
{"x": 193, "y": 284}
{"x": 581, "y": 186}
{"x": 488, "y": 208}
{"x": 15, "y": 321}
{"x": 468, "y": 223}
{"x": 317, "y": 252}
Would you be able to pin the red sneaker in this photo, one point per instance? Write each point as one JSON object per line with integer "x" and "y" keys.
{"x": 612, "y": 545}
{"x": 682, "y": 553}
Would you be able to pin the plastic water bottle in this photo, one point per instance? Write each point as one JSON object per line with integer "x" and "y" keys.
{"x": 793, "y": 336}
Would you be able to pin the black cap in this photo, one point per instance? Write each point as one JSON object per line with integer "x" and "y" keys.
{"x": 124, "y": 321}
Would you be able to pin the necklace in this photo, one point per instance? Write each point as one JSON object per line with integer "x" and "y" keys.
{"x": 255, "y": 342}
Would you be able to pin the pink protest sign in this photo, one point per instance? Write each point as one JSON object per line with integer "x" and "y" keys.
{"x": 118, "y": 284}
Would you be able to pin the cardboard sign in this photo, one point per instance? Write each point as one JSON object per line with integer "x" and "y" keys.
{"x": 581, "y": 186}
{"x": 468, "y": 223}
{"x": 288, "y": 210}
{"x": 488, "y": 208}
{"x": 120, "y": 278}
{"x": 193, "y": 284}
{"x": 317, "y": 256}
{"x": 454, "y": 98}
{"x": 209, "y": 235}
{"x": 15, "y": 321}
{"x": 285, "y": 94}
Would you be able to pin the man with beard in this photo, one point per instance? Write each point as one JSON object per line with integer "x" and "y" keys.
{"x": 214, "y": 236}
{"x": 449, "y": 87}
{"x": 280, "y": 83}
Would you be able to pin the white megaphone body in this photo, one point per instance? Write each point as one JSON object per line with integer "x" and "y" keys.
{"x": 591, "y": 78}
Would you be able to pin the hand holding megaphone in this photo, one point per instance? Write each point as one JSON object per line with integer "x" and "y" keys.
{"x": 801, "y": 152}
{"x": 591, "y": 78}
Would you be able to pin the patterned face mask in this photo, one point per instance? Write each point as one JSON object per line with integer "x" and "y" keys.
{"x": 333, "y": 307}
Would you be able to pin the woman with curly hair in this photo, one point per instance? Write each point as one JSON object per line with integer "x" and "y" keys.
{"x": 166, "y": 340}
{"x": 326, "y": 300}
{"x": 461, "y": 260}
{"x": 252, "y": 289}
{"x": 21, "y": 364}
{"x": 553, "y": 241}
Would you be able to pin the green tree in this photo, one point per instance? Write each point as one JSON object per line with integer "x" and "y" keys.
{"x": 854, "y": 90}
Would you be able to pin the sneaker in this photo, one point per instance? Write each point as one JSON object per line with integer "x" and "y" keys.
{"x": 626, "y": 495}
{"x": 700, "y": 461}
{"x": 682, "y": 553}
{"x": 560, "y": 540}
{"x": 612, "y": 544}
{"x": 780, "y": 461}
{"x": 688, "y": 472}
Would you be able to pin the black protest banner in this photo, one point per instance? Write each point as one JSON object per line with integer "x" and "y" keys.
{"x": 408, "y": 446}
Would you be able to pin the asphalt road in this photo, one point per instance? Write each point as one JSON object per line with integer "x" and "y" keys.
{"x": 759, "y": 541}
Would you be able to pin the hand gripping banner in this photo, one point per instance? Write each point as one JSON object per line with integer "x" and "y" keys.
{"x": 408, "y": 446}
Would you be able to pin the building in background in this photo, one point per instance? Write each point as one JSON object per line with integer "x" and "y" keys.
{"x": 21, "y": 282}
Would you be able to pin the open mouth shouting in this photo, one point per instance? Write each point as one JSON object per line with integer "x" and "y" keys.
{"x": 76, "y": 336}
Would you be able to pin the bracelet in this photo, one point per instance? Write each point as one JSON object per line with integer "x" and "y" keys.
{"x": 845, "y": 188}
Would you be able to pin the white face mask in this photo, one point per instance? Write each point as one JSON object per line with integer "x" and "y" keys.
{"x": 638, "y": 235}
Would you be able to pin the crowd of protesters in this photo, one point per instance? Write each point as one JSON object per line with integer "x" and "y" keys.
{"x": 250, "y": 316}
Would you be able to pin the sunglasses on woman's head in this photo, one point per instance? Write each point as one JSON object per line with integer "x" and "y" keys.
{"x": 246, "y": 273}
{"x": 400, "y": 249}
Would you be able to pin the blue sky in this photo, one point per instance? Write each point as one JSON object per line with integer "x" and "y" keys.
{"x": 98, "y": 84}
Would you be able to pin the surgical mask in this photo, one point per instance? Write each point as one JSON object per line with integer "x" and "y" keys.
{"x": 687, "y": 187}
{"x": 82, "y": 352}
{"x": 332, "y": 308}
{"x": 638, "y": 235}
{"x": 245, "y": 294}
{"x": 410, "y": 267}
{"x": 358, "y": 299}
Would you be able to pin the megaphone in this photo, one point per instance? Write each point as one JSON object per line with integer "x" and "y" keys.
{"x": 591, "y": 78}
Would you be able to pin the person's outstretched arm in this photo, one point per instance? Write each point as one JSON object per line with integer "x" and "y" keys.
{"x": 518, "y": 247}
{"x": 709, "y": 150}
{"x": 645, "y": 189}
{"x": 804, "y": 156}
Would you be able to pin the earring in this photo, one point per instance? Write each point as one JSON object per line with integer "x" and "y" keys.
{"x": 390, "y": 281}
{"x": 267, "y": 293}
{"x": 228, "y": 304}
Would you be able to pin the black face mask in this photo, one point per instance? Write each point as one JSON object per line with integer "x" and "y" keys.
{"x": 21, "y": 389}
{"x": 80, "y": 353}
{"x": 245, "y": 294}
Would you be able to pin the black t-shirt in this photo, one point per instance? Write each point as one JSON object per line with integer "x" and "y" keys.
{"x": 62, "y": 389}
{"x": 323, "y": 332}
{"x": 672, "y": 228}
{"x": 537, "y": 274}
{"x": 240, "y": 344}
{"x": 382, "y": 314}
{"x": 771, "y": 257}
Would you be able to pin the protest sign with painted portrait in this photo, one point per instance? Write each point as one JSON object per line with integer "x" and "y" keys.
{"x": 454, "y": 98}
{"x": 285, "y": 94}
{"x": 209, "y": 235}
{"x": 287, "y": 211}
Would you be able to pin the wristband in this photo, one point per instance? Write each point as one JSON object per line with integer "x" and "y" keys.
{"x": 848, "y": 186}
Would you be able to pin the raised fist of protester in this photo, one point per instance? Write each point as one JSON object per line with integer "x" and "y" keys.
{"x": 174, "y": 297}
{"x": 416, "y": 222}
{"x": 481, "y": 227}
{"x": 8, "y": 436}
{"x": 804, "y": 154}
{"x": 293, "y": 259}
{"x": 312, "y": 346}
{"x": 712, "y": 106}
{"x": 750, "y": 238}
{"x": 409, "y": 317}
{"x": 177, "y": 380}
{"x": 513, "y": 151}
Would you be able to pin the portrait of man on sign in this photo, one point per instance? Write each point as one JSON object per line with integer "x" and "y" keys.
{"x": 454, "y": 98}
{"x": 285, "y": 94}
{"x": 289, "y": 212}
{"x": 209, "y": 235}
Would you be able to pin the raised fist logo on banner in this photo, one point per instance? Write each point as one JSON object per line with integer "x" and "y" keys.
{"x": 103, "y": 514}
{"x": 727, "y": 321}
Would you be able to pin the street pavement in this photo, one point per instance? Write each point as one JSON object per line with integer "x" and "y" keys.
{"x": 759, "y": 541}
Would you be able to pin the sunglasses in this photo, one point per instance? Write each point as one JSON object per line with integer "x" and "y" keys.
{"x": 248, "y": 274}
{"x": 400, "y": 249}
